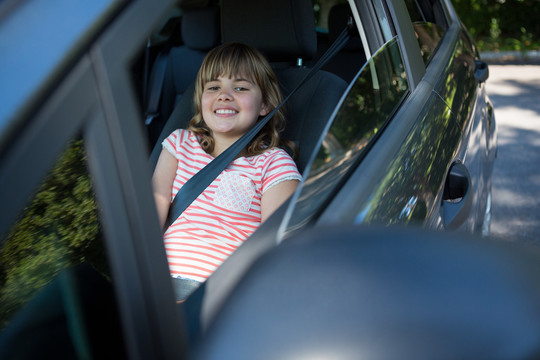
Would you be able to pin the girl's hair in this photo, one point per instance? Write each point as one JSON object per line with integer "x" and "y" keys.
{"x": 237, "y": 59}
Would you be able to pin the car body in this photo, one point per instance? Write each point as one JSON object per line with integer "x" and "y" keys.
{"x": 405, "y": 135}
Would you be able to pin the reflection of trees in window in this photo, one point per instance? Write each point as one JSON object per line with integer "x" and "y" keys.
{"x": 429, "y": 36}
{"x": 59, "y": 229}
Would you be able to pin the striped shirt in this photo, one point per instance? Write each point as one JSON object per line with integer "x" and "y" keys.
{"x": 226, "y": 213}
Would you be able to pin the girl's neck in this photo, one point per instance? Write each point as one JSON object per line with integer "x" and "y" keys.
{"x": 221, "y": 144}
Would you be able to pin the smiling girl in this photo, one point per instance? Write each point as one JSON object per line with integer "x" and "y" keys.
{"x": 235, "y": 88}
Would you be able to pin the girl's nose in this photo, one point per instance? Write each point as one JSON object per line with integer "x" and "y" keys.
{"x": 225, "y": 94}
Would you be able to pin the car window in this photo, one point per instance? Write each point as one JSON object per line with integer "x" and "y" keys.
{"x": 376, "y": 93}
{"x": 52, "y": 262}
{"x": 429, "y": 23}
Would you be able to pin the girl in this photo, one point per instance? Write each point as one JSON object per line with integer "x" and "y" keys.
{"x": 234, "y": 88}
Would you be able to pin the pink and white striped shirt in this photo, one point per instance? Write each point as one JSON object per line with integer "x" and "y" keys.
{"x": 226, "y": 213}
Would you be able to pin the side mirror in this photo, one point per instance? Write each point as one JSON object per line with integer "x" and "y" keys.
{"x": 481, "y": 72}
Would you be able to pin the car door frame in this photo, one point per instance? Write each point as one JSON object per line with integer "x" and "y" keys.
{"x": 89, "y": 91}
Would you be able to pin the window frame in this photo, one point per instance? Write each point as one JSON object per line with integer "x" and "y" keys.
{"x": 414, "y": 64}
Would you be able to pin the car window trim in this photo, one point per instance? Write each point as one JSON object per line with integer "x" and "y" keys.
{"x": 410, "y": 50}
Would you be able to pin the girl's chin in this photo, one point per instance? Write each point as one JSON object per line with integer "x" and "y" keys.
{"x": 223, "y": 130}
{"x": 226, "y": 133}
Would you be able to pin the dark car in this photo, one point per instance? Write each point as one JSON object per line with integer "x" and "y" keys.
{"x": 395, "y": 129}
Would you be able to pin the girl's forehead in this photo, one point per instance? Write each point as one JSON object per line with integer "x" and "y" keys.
{"x": 234, "y": 76}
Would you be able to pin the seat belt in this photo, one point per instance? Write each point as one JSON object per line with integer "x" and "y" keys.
{"x": 202, "y": 179}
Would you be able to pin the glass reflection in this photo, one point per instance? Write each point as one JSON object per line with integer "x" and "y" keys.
{"x": 429, "y": 36}
{"x": 59, "y": 230}
{"x": 414, "y": 177}
{"x": 459, "y": 88}
{"x": 377, "y": 91}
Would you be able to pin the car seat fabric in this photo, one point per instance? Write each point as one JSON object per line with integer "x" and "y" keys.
{"x": 285, "y": 29}
{"x": 285, "y": 32}
{"x": 179, "y": 118}
{"x": 309, "y": 109}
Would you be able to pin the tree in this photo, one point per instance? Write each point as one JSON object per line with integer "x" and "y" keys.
{"x": 59, "y": 229}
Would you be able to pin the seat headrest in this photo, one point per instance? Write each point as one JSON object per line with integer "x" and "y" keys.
{"x": 201, "y": 29}
{"x": 338, "y": 19}
{"x": 281, "y": 29}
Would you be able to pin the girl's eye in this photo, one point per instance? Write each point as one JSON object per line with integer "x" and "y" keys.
{"x": 241, "y": 88}
{"x": 213, "y": 88}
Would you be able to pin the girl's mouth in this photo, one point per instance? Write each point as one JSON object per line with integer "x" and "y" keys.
{"x": 225, "y": 111}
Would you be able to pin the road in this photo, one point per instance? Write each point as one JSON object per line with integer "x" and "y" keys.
{"x": 515, "y": 92}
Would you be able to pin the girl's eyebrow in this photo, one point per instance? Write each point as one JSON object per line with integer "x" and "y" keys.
{"x": 243, "y": 79}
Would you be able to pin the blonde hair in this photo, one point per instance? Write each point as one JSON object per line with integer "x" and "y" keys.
{"x": 234, "y": 59}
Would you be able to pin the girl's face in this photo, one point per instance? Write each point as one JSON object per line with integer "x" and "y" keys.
{"x": 231, "y": 106}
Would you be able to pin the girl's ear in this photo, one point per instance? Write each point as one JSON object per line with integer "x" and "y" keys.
{"x": 264, "y": 110}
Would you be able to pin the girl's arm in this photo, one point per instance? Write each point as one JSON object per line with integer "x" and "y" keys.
{"x": 162, "y": 182}
{"x": 274, "y": 197}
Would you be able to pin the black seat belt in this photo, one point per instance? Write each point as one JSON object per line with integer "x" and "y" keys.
{"x": 200, "y": 181}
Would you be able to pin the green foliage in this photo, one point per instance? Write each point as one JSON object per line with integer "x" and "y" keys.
{"x": 59, "y": 229}
{"x": 501, "y": 24}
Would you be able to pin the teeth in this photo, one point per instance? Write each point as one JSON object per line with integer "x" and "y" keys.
{"x": 225, "y": 111}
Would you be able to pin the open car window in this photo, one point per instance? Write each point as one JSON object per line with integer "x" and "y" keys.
{"x": 54, "y": 273}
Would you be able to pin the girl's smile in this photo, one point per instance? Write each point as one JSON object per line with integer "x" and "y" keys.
{"x": 231, "y": 106}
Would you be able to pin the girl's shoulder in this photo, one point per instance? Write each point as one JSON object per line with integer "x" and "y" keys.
{"x": 276, "y": 152}
{"x": 181, "y": 140}
{"x": 270, "y": 156}
{"x": 184, "y": 136}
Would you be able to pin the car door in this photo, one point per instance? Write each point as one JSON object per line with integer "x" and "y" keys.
{"x": 401, "y": 176}
{"x": 462, "y": 86}
{"x": 82, "y": 268}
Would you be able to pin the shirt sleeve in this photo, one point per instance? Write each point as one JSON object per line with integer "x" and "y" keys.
{"x": 279, "y": 167}
{"x": 172, "y": 143}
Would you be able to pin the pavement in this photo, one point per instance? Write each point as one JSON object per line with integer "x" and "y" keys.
{"x": 515, "y": 92}
{"x": 512, "y": 57}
